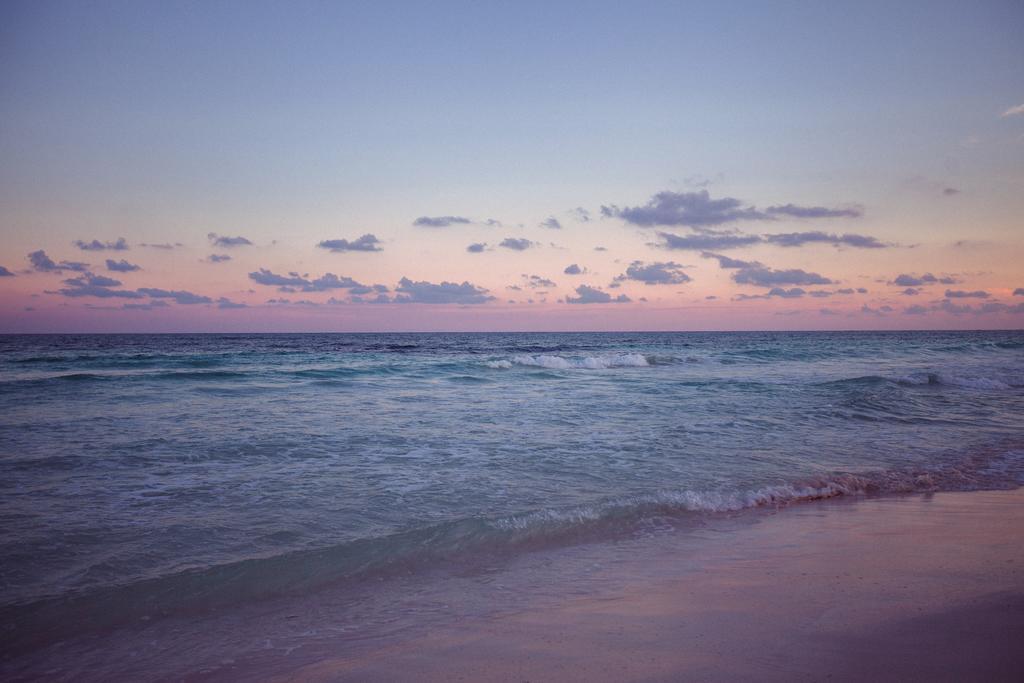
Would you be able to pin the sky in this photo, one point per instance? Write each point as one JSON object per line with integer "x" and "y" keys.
{"x": 378, "y": 166}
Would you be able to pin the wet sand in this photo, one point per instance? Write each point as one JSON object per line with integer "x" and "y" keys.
{"x": 924, "y": 587}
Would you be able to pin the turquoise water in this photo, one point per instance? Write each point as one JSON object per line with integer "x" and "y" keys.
{"x": 155, "y": 475}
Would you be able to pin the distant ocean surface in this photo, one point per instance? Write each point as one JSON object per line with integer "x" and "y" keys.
{"x": 147, "y": 475}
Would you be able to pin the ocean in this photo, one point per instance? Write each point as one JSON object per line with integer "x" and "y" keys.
{"x": 161, "y": 478}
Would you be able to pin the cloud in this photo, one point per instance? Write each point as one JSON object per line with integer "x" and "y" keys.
{"x": 5, "y": 273}
{"x": 915, "y": 310}
{"x": 224, "y": 241}
{"x": 948, "y": 306}
{"x": 536, "y": 281}
{"x": 708, "y": 241}
{"x": 906, "y": 280}
{"x": 910, "y": 291}
{"x": 217, "y": 258}
{"x": 94, "y": 280}
{"x": 101, "y": 292}
{"x": 293, "y": 282}
{"x": 693, "y": 209}
{"x": 101, "y": 287}
{"x": 950, "y": 191}
{"x": 516, "y": 243}
{"x": 121, "y": 266}
{"x": 658, "y": 273}
{"x": 716, "y": 240}
{"x": 763, "y": 276}
{"x": 797, "y": 239}
{"x": 828, "y": 311}
{"x": 551, "y": 222}
{"x": 1019, "y": 291}
{"x": 573, "y": 269}
{"x": 266, "y": 277}
{"x": 367, "y": 242}
{"x": 593, "y": 295}
{"x": 227, "y": 303}
{"x": 165, "y": 246}
{"x": 89, "y": 285}
{"x": 289, "y": 302}
{"x": 443, "y": 293}
{"x": 148, "y": 306}
{"x": 580, "y": 214}
{"x": 98, "y": 286}
{"x": 1013, "y": 111}
{"x": 880, "y": 311}
{"x": 364, "y": 289}
{"x": 961, "y": 294}
{"x": 760, "y": 275}
{"x": 476, "y": 247}
{"x": 814, "y": 211}
{"x": 440, "y": 221}
{"x": 600, "y": 248}
{"x": 997, "y": 307}
{"x": 179, "y": 296}
{"x": 794, "y": 293}
{"x": 379, "y": 299}
{"x": 726, "y": 262}
{"x": 329, "y": 281}
{"x": 44, "y": 264}
{"x": 95, "y": 245}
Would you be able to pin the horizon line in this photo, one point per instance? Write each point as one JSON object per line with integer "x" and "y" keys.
{"x": 764, "y": 331}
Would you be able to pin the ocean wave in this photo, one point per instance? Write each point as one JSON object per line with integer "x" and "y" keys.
{"x": 623, "y": 360}
{"x": 135, "y": 360}
{"x": 983, "y": 382}
{"x": 462, "y": 542}
{"x": 963, "y": 381}
{"x": 1002, "y": 471}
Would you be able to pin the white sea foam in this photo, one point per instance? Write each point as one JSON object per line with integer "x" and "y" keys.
{"x": 696, "y": 501}
{"x": 728, "y": 501}
{"x": 623, "y": 360}
{"x": 986, "y": 473}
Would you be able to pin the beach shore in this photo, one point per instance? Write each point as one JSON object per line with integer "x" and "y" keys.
{"x": 919, "y": 587}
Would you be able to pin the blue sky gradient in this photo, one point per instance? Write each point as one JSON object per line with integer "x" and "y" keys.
{"x": 294, "y": 123}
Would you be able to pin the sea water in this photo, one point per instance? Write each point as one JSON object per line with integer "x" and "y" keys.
{"x": 156, "y": 476}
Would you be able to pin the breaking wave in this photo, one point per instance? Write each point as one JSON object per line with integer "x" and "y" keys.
{"x": 464, "y": 542}
{"x": 624, "y": 360}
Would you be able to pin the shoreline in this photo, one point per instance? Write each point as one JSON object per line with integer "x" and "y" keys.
{"x": 921, "y": 586}
{"x": 893, "y": 587}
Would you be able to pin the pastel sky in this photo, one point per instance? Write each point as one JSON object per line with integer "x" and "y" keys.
{"x": 249, "y": 166}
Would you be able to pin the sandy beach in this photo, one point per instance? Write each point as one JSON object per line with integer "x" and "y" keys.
{"x": 923, "y": 587}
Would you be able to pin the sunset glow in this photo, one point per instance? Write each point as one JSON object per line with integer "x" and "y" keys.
{"x": 179, "y": 171}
